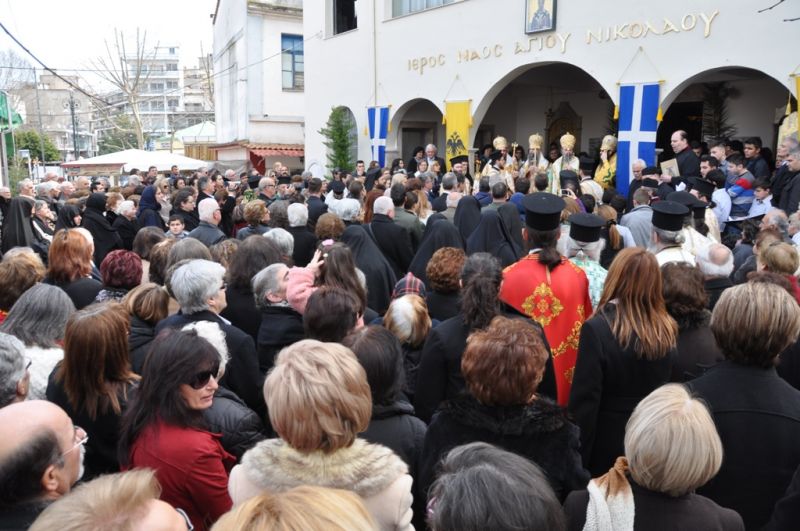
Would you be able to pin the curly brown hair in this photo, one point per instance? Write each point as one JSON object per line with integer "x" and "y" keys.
{"x": 683, "y": 288}
{"x": 444, "y": 269}
{"x": 18, "y": 273}
{"x": 329, "y": 226}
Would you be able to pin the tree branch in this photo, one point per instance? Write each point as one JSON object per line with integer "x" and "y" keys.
{"x": 773, "y": 6}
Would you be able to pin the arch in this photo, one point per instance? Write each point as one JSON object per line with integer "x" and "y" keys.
{"x": 394, "y": 143}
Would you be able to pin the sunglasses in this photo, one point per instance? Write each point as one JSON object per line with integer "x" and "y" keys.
{"x": 201, "y": 379}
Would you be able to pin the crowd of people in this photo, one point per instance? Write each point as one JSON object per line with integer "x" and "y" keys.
{"x": 407, "y": 347}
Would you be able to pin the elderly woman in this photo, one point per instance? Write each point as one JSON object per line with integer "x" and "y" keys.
{"x": 305, "y": 242}
{"x": 443, "y": 272}
{"x": 18, "y": 272}
{"x": 149, "y": 213}
{"x": 626, "y": 350}
{"x": 329, "y": 227}
{"x": 39, "y": 319}
{"x": 106, "y": 239}
{"x": 284, "y": 240}
{"x": 781, "y": 258}
{"x": 319, "y": 399}
{"x": 70, "y": 266}
{"x": 502, "y": 366}
{"x": 94, "y": 381}
{"x": 281, "y": 325}
{"x": 480, "y": 486}
{"x": 256, "y": 215}
{"x": 408, "y": 320}
{"x": 686, "y": 302}
{"x": 147, "y": 305}
{"x": 14, "y": 375}
{"x": 122, "y": 271}
{"x": 199, "y": 288}
{"x": 755, "y": 411}
{"x": 126, "y": 224}
{"x": 583, "y": 247}
{"x": 652, "y": 486}
{"x": 164, "y": 427}
{"x": 42, "y": 224}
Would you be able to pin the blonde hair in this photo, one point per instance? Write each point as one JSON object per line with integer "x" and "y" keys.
{"x": 422, "y": 208}
{"x": 780, "y": 257}
{"x": 318, "y": 396}
{"x": 671, "y": 443}
{"x": 407, "y": 318}
{"x": 115, "y": 501}
{"x": 301, "y": 508}
{"x": 754, "y": 322}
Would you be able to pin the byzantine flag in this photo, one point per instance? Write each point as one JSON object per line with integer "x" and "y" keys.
{"x": 638, "y": 122}
{"x": 458, "y": 120}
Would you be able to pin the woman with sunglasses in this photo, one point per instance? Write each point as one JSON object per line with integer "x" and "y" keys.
{"x": 164, "y": 427}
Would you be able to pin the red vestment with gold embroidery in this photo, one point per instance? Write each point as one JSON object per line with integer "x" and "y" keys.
{"x": 559, "y": 301}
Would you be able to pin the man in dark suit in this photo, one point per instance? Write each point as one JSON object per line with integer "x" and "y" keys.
{"x": 199, "y": 288}
{"x": 316, "y": 205}
{"x": 688, "y": 162}
{"x": 449, "y": 183}
{"x": 430, "y": 155}
{"x": 393, "y": 240}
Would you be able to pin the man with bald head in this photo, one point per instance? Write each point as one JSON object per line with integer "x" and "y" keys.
{"x": 41, "y": 457}
{"x": 716, "y": 263}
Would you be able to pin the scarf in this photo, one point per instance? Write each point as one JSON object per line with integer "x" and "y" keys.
{"x": 610, "y": 501}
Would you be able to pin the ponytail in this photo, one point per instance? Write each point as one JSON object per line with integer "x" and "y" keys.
{"x": 545, "y": 241}
{"x": 480, "y": 277}
{"x": 614, "y": 238}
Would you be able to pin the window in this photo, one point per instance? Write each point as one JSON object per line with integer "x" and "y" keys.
{"x": 172, "y": 84}
{"x": 293, "y": 70}
{"x": 172, "y": 67}
{"x": 173, "y": 103}
{"x": 405, "y": 7}
{"x": 344, "y": 16}
{"x": 157, "y": 105}
{"x": 172, "y": 51}
{"x": 156, "y": 87}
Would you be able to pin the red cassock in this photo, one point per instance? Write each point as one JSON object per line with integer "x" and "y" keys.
{"x": 559, "y": 301}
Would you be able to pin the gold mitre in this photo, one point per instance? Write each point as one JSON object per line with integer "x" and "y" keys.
{"x": 500, "y": 143}
{"x": 536, "y": 141}
{"x": 609, "y": 143}
{"x": 567, "y": 141}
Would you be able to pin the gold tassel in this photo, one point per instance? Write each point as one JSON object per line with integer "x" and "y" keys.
{"x": 659, "y": 115}
{"x": 389, "y": 127}
{"x": 366, "y": 130}
{"x": 616, "y": 112}
{"x": 444, "y": 120}
{"x": 789, "y": 105}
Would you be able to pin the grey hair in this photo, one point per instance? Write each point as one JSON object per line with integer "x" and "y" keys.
{"x": 709, "y": 266}
{"x": 46, "y": 187}
{"x": 12, "y": 367}
{"x": 792, "y": 141}
{"x": 778, "y": 218}
{"x": 362, "y": 279}
{"x": 481, "y": 486}
{"x": 449, "y": 181}
{"x": 383, "y": 205}
{"x": 196, "y": 282}
{"x": 347, "y": 209}
{"x": 212, "y": 333}
{"x": 65, "y": 184}
{"x": 126, "y": 206}
{"x": 283, "y": 239}
{"x": 23, "y": 183}
{"x": 206, "y": 209}
{"x": 134, "y": 180}
{"x": 39, "y": 317}
{"x": 263, "y": 182}
{"x": 590, "y": 249}
{"x": 298, "y": 214}
{"x": 425, "y": 177}
{"x": 669, "y": 236}
{"x": 266, "y": 282}
{"x": 40, "y": 203}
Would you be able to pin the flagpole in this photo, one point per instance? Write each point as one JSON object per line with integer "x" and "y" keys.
{"x": 11, "y": 130}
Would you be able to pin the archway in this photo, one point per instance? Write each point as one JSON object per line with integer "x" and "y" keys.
{"x": 548, "y": 98}
{"x": 415, "y": 123}
{"x": 728, "y": 102}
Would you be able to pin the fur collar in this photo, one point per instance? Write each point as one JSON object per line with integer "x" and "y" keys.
{"x": 540, "y": 416}
{"x": 363, "y": 468}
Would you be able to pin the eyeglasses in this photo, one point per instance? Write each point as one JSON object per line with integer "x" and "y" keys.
{"x": 80, "y": 438}
{"x": 189, "y": 526}
{"x": 201, "y": 379}
{"x": 28, "y": 365}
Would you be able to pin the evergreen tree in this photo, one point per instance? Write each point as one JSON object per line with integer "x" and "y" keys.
{"x": 339, "y": 139}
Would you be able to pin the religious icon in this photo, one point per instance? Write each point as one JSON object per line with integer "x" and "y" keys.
{"x": 540, "y": 15}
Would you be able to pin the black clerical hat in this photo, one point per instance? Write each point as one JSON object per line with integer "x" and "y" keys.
{"x": 704, "y": 187}
{"x": 668, "y": 215}
{"x": 543, "y": 210}
{"x": 585, "y": 227}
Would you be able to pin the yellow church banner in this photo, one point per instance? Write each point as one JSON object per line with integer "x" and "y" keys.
{"x": 457, "y": 120}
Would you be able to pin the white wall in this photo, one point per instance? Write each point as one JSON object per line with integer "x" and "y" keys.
{"x": 229, "y": 36}
{"x": 339, "y": 68}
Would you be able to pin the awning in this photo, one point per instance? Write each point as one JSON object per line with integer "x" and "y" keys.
{"x": 276, "y": 150}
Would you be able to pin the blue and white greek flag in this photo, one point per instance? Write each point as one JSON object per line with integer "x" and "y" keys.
{"x": 378, "y": 129}
{"x": 638, "y": 123}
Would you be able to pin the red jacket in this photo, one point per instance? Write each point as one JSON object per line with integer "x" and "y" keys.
{"x": 191, "y": 466}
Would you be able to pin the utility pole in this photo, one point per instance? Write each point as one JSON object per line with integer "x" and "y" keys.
{"x": 41, "y": 124}
{"x": 71, "y": 104}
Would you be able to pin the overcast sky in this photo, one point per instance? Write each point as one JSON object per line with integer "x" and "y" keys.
{"x": 69, "y": 34}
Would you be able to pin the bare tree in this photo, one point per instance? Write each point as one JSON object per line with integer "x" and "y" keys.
{"x": 16, "y": 73}
{"x": 207, "y": 66}
{"x": 125, "y": 67}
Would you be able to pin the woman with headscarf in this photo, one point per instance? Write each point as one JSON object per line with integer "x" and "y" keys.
{"x": 17, "y": 228}
{"x": 69, "y": 217}
{"x": 438, "y": 234}
{"x": 370, "y": 260}
{"x": 149, "y": 214}
{"x": 468, "y": 216}
{"x": 105, "y": 237}
{"x": 493, "y": 237}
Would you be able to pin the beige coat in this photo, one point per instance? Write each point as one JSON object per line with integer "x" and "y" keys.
{"x": 372, "y": 471}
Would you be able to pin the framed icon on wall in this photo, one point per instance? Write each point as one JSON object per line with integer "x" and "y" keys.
{"x": 540, "y": 15}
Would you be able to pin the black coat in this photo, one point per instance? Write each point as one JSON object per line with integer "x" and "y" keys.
{"x": 190, "y": 219}
{"x": 396, "y": 427}
{"x": 757, "y": 415}
{"x": 494, "y": 237}
{"x": 368, "y": 258}
{"x": 688, "y": 164}
{"x": 608, "y": 383}
{"x": 240, "y": 426}
{"x": 81, "y": 292}
{"x": 790, "y": 195}
{"x": 442, "y": 306}
{"x": 280, "y": 327}
{"x": 241, "y": 375}
{"x": 241, "y": 310}
{"x": 316, "y": 207}
{"x": 16, "y": 227}
{"x": 655, "y": 511}
{"x": 439, "y": 374}
{"x": 394, "y": 242}
{"x": 787, "y": 511}
{"x": 789, "y": 365}
{"x": 250, "y": 230}
{"x": 781, "y": 178}
{"x": 139, "y": 339}
{"x": 539, "y": 431}
{"x": 105, "y": 237}
{"x": 127, "y": 230}
{"x": 103, "y": 430}
{"x": 305, "y": 244}
{"x": 697, "y": 348}
{"x": 439, "y": 232}
{"x": 440, "y": 203}
{"x": 467, "y": 216}
{"x": 21, "y": 517}
{"x": 714, "y": 288}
